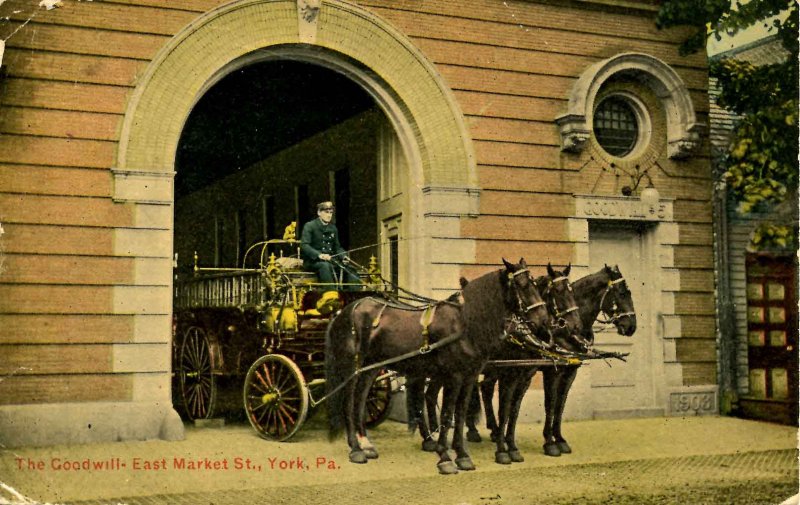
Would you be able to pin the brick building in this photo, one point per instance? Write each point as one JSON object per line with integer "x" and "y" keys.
{"x": 498, "y": 129}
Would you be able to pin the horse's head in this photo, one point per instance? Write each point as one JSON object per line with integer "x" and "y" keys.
{"x": 524, "y": 300}
{"x": 617, "y": 302}
{"x": 566, "y": 325}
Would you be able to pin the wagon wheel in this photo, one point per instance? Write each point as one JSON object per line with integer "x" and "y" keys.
{"x": 377, "y": 407}
{"x": 275, "y": 397}
{"x": 198, "y": 385}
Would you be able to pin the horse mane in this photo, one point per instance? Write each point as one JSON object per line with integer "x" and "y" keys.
{"x": 485, "y": 300}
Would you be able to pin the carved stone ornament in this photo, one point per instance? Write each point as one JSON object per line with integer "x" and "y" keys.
{"x": 683, "y": 131}
{"x": 574, "y": 133}
{"x": 307, "y": 19}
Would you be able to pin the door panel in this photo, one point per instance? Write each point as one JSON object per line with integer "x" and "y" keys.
{"x": 625, "y": 385}
{"x": 771, "y": 339}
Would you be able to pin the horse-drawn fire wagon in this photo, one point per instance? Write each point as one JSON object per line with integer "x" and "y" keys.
{"x": 262, "y": 329}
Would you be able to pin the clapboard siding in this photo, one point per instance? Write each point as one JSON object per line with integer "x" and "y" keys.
{"x": 75, "y": 68}
{"x": 696, "y": 234}
{"x": 59, "y": 123}
{"x": 65, "y": 210}
{"x": 509, "y": 106}
{"x": 65, "y": 329}
{"x": 51, "y": 299}
{"x": 695, "y": 349}
{"x": 62, "y": 95}
{"x": 513, "y": 130}
{"x": 517, "y": 155}
{"x": 697, "y": 326}
{"x": 515, "y": 203}
{"x": 693, "y": 304}
{"x": 59, "y": 388}
{"x": 627, "y": 22}
{"x": 697, "y": 281}
{"x": 505, "y": 178}
{"x": 519, "y": 228}
{"x": 55, "y": 359}
{"x": 699, "y": 373}
{"x": 55, "y": 151}
{"x": 108, "y": 16}
{"x": 48, "y": 269}
{"x": 687, "y": 256}
{"x": 50, "y": 239}
{"x": 491, "y": 252}
{"x": 538, "y": 34}
{"x": 479, "y": 55}
{"x": 57, "y": 181}
{"x": 89, "y": 41}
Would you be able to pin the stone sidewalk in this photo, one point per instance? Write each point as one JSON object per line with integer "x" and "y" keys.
{"x": 232, "y": 465}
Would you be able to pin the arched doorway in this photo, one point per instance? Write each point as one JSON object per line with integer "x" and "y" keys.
{"x": 269, "y": 141}
{"x": 429, "y": 127}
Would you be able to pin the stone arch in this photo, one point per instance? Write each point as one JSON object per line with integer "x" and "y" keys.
{"x": 683, "y": 130}
{"x": 341, "y": 36}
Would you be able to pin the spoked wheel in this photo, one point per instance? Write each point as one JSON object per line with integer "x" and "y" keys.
{"x": 377, "y": 407}
{"x": 275, "y": 397}
{"x": 197, "y": 382}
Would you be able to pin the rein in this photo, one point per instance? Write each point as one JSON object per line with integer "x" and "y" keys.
{"x": 614, "y": 316}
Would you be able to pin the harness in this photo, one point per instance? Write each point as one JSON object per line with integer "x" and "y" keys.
{"x": 558, "y": 314}
{"x": 520, "y": 303}
{"x": 614, "y": 316}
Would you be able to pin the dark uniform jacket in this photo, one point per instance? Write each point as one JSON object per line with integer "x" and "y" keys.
{"x": 318, "y": 238}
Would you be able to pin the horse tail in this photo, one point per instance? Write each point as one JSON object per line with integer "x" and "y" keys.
{"x": 339, "y": 366}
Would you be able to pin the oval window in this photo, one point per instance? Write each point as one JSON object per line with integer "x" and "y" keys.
{"x": 615, "y": 126}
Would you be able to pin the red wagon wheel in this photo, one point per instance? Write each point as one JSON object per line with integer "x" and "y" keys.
{"x": 275, "y": 397}
{"x": 378, "y": 398}
{"x": 198, "y": 384}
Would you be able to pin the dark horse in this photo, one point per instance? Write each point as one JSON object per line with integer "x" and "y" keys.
{"x": 371, "y": 332}
{"x": 514, "y": 380}
{"x": 604, "y": 292}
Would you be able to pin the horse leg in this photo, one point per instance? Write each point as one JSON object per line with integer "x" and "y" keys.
{"x": 473, "y": 415}
{"x": 431, "y": 401}
{"x": 516, "y": 403}
{"x": 365, "y": 382}
{"x": 487, "y": 392}
{"x": 505, "y": 387}
{"x": 446, "y": 465}
{"x": 564, "y": 385}
{"x": 351, "y": 419}
{"x": 551, "y": 378}
{"x": 463, "y": 460}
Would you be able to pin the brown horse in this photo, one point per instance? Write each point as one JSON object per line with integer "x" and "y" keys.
{"x": 370, "y": 333}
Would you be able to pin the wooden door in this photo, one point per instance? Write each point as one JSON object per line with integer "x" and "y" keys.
{"x": 772, "y": 354}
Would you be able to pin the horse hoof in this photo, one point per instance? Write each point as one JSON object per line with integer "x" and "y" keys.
{"x": 516, "y": 456}
{"x": 564, "y": 448}
{"x": 465, "y": 464}
{"x": 429, "y": 445}
{"x": 371, "y": 453}
{"x": 447, "y": 468}
{"x": 474, "y": 436}
{"x": 551, "y": 449}
{"x": 358, "y": 457}
{"x": 502, "y": 458}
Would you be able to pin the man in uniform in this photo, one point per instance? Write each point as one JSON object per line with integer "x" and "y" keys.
{"x": 320, "y": 248}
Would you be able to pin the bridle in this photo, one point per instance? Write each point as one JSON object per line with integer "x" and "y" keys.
{"x": 614, "y": 316}
{"x": 559, "y": 316}
{"x": 522, "y": 309}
